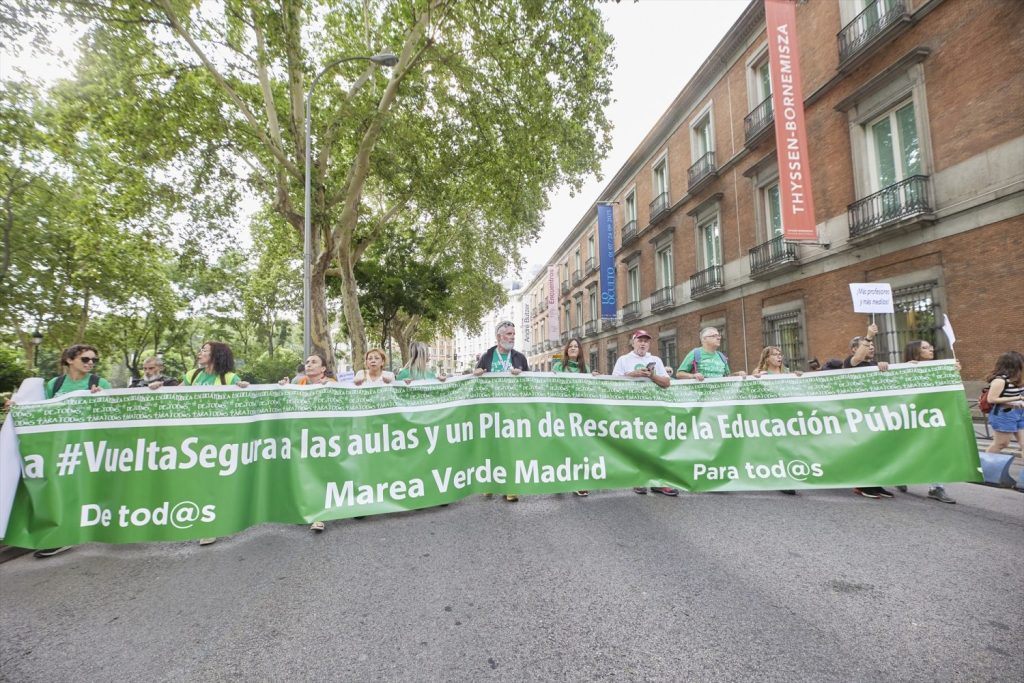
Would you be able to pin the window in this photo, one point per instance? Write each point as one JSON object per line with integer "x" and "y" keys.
{"x": 916, "y": 315}
{"x": 786, "y": 331}
{"x": 592, "y": 360}
{"x": 592, "y": 304}
{"x": 579, "y": 312}
{"x": 772, "y": 210}
{"x": 669, "y": 353}
{"x": 664, "y": 267}
{"x": 703, "y": 140}
{"x": 894, "y": 150}
{"x": 630, "y": 206}
{"x": 568, "y": 319}
{"x": 611, "y": 355}
{"x": 633, "y": 284}
{"x": 591, "y": 250}
{"x": 578, "y": 262}
{"x": 709, "y": 242}
{"x": 660, "y": 185}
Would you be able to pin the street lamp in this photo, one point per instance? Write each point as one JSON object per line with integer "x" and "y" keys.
{"x": 382, "y": 59}
{"x": 36, "y": 339}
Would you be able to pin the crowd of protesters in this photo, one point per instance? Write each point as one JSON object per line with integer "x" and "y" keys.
{"x": 215, "y": 366}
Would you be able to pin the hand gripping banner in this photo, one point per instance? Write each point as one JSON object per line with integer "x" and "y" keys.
{"x": 126, "y": 466}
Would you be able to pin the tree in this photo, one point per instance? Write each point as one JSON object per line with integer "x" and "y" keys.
{"x": 490, "y": 105}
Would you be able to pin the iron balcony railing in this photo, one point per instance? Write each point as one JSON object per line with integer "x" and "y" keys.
{"x": 590, "y": 266}
{"x": 758, "y": 120}
{"x": 875, "y": 18}
{"x": 577, "y": 277}
{"x": 772, "y": 253}
{"x": 631, "y": 311}
{"x": 628, "y": 232}
{"x": 609, "y": 323}
{"x": 706, "y": 281}
{"x": 662, "y": 298}
{"x": 564, "y": 337}
{"x": 565, "y": 286}
{"x": 659, "y": 206}
{"x": 903, "y": 200}
{"x": 702, "y": 168}
{"x": 590, "y": 328}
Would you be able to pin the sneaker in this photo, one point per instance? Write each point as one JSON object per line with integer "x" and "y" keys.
{"x": 902, "y": 488}
{"x": 316, "y": 526}
{"x": 50, "y": 552}
{"x": 583, "y": 494}
{"x": 867, "y": 492}
{"x": 788, "y": 492}
{"x": 666, "y": 491}
{"x": 207, "y": 541}
{"x": 939, "y": 494}
{"x": 883, "y": 493}
{"x": 642, "y": 490}
{"x": 512, "y": 498}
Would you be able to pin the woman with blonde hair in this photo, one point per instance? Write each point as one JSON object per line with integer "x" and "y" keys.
{"x": 374, "y": 375}
{"x": 771, "y": 363}
{"x": 416, "y": 367}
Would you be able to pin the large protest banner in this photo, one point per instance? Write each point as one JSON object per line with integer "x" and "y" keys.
{"x": 128, "y": 466}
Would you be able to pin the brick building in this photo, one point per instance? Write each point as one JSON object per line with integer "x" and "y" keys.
{"x": 914, "y": 112}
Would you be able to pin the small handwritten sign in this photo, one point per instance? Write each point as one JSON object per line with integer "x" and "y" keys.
{"x": 871, "y": 297}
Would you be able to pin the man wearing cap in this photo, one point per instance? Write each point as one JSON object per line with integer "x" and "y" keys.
{"x": 502, "y": 357}
{"x": 640, "y": 363}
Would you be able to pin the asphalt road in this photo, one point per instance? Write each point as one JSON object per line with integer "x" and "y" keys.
{"x": 826, "y": 586}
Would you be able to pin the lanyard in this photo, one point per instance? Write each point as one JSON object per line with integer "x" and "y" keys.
{"x": 506, "y": 363}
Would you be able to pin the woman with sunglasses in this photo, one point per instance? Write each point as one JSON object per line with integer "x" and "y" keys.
{"x": 79, "y": 365}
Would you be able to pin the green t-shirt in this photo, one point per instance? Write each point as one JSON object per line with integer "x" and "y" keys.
{"x": 710, "y": 364}
{"x": 70, "y": 385}
{"x": 501, "y": 362}
{"x": 406, "y": 373}
{"x": 557, "y": 366}
{"x": 203, "y": 378}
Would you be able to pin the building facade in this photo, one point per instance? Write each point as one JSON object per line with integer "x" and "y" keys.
{"x": 914, "y": 112}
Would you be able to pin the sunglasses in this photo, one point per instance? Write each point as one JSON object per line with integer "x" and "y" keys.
{"x": 89, "y": 359}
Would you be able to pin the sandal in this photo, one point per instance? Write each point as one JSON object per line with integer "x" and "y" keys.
{"x": 583, "y": 494}
{"x": 316, "y": 526}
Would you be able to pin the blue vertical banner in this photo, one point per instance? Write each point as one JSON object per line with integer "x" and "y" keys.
{"x": 606, "y": 240}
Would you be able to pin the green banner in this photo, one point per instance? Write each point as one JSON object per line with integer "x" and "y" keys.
{"x": 127, "y": 466}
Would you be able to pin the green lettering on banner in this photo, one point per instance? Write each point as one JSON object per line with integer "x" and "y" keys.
{"x": 129, "y": 466}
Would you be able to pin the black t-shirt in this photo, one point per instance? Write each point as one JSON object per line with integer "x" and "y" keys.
{"x": 848, "y": 363}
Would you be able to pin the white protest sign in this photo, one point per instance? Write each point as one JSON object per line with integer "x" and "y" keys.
{"x": 871, "y": 297}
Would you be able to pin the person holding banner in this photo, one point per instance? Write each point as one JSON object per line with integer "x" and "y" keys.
{"x": 77, "y": 362}
{"x": 152, "y": 371}
{"x": 862, "y": 355}
{"x": 771, "y": 363}
{"x": 374, "y": 375}
{"x": 572, "y": 361}
{"x": 416, "y": 368}
{"x": 1006, "y": 396}
{"x": 314, "y": 371}
{"x": 216, "y": 367}
{"x": 914, "y": 352}
{"x": 502, "y": 357}
{"x": 706, "y": 360}
{"x": 641, "y": 364}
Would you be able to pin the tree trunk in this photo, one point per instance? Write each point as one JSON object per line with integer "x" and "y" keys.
{"x": 83, "y": 318}
{"x": 320, "y": 326}
{"x": 350, "y": 308}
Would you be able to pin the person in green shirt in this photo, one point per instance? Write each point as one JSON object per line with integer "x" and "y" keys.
{"x": 78, "y": 363}
{"x": 416, "y": 367}
{"x": 216, "y": 366}
{"x": 571, "y": 360}
{"x": 706, "y": 360}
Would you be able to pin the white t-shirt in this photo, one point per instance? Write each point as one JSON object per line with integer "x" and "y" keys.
{"x": 379, "y": 382}
{"x": 631, "y": 361}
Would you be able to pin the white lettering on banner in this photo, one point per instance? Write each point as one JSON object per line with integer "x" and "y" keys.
{"x": 532, "y": 472}
{"x": 460, "y": 479}
{"x": 182, "y": 516}
{"x": 794, "y": 469}
{"x": 350, "y": 495}
{"x": 888, "y": 420}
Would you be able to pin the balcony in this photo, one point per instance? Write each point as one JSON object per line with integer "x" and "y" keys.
{"x": 772, "y": 256}
{"x": 590, "y": 328}
{"x": 663, "y": 298}
{"x": 629, "y": 232}
{"x": 609, "y": 323}
{"x": 880, "y": 20}
{"x": 564, "y": 337}
{"x": 659, "y": 206}
{"x": 903, "y": 205}
{"x": 631, "y": 311}
{"x": 577, "y": 277}
{"x": 702, "y": 171}
{"x": 706, "y": 282}
{"x": 590, "y": 266}
{"x": 565, "y": 286}
{"x": 758, "y": 122}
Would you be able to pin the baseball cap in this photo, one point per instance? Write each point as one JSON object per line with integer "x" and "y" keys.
{"x": 641, "y": 333}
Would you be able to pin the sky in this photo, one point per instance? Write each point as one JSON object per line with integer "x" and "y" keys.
{"x": 659, "y": 45}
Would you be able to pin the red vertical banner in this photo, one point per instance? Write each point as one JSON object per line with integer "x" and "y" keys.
{"x": 790, "y": 133}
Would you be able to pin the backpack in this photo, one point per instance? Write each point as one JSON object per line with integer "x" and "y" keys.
{"x": 696, "y": 360}
{"x": 94, "y": 381}
{"x": 983, "y": 405}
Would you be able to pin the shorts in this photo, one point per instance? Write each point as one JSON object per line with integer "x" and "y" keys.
{"x": 1006, "y": 420}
